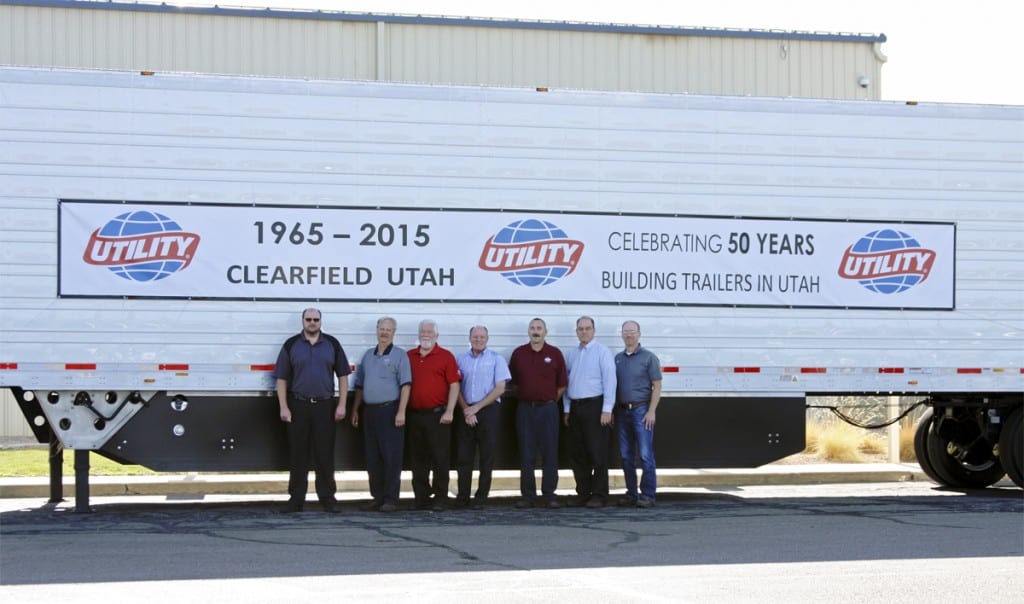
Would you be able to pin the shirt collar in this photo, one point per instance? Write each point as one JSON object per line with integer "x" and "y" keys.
{"x": 433, "y": 350}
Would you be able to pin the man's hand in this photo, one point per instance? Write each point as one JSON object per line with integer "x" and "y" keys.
{"x": 339, "y": 411}
{"x": 286, "y": 415}
{"x": 607, "y": 418}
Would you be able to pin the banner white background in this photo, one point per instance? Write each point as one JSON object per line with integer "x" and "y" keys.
{"x": 287, "y": 252}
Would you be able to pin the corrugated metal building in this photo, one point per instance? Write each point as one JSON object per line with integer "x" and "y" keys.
{"x": 334, "y": 45}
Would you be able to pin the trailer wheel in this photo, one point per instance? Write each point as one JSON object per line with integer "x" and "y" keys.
{"x": 974, "y": 468}
{"x": 921, "y": 447}
{"x": 1011, "y": 447}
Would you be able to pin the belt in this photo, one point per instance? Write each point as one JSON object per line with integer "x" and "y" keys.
{"x": 311, "y": 400}
{"x": 536, "y": 403}
{"x": 380, "y": 405}
{"x": 437, "y": 409}
{"x": 589, "y": 399}
{"x": 631, "y": 406}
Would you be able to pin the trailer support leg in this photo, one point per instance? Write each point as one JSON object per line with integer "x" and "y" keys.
{"x": 56, "y": 469}
{"x": 82, "y": 481}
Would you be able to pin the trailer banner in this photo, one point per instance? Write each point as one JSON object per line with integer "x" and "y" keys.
{"x": 285, "y": 252}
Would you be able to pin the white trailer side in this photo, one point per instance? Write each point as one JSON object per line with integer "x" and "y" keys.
{"x": 223, "y": 150}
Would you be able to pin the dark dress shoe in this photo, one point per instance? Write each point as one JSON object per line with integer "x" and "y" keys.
{"x": 373, "y": 506}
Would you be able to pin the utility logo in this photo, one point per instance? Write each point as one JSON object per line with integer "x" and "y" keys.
{"x": 531, "y": 253}
{"x": 887, "y": 261}
{"x": 141, "y": 246}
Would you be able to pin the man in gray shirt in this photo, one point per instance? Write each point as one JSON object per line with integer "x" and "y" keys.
{"x": 638, "y": 373}
{"x": 383, "y": 381}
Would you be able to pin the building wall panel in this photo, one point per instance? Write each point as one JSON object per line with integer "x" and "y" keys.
{"x": 437, "y": 52}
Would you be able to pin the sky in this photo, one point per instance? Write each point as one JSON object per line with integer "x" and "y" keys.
{"x": 961, "y": 51}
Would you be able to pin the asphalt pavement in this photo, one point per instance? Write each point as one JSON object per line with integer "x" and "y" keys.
{"x": 839, "y": 543}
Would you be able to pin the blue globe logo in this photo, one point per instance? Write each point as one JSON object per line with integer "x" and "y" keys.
{"x": 132, "y": 224}
{"x": 543, "y": 250}
{"x": 887, "y": 240}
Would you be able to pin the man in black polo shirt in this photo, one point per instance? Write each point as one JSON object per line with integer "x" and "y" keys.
{"x": 305, "y": 372}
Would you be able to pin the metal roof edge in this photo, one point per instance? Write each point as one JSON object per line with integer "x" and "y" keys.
{"x": 238, "y": 11}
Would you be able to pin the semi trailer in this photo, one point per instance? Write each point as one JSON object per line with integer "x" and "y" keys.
{"x": 163, "y": 232}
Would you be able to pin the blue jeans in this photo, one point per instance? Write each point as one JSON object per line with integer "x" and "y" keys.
{"x": 636, "y": 440}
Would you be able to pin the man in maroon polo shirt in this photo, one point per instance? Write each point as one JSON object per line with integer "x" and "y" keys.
{"x": 435, "y": 390}
{"x": 538, "y": 371}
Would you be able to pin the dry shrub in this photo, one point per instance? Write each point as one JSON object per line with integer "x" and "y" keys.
{"x": 812, "y": 434}
{"x": 874, "y": 443}
{"x": 907, "y": 429}
{"x": 835, "y": 441}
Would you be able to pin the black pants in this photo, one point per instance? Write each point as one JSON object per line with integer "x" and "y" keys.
{"x": 484, "y": 435}
{"x": 430, "y": 450}
{"x": 537, "y": 429}
{"x": 383, "y": 444}
{"x": 589, "y": 444}
{"x": 313, "y": 426}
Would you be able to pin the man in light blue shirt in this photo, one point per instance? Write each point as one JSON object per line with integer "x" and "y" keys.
{"x": 589, "y": 401}
{"x": 484, "y": 375}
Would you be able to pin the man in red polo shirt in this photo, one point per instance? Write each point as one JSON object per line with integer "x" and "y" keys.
{"x": 435, "y": 390}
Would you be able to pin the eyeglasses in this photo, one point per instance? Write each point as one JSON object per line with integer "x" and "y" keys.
{"x": 313, "y": 319}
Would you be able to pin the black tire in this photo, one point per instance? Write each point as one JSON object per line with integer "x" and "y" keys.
{"x": 1010, "y": 446}
{"x": 982, "y": 470}
{"x": 921, "y": 446}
